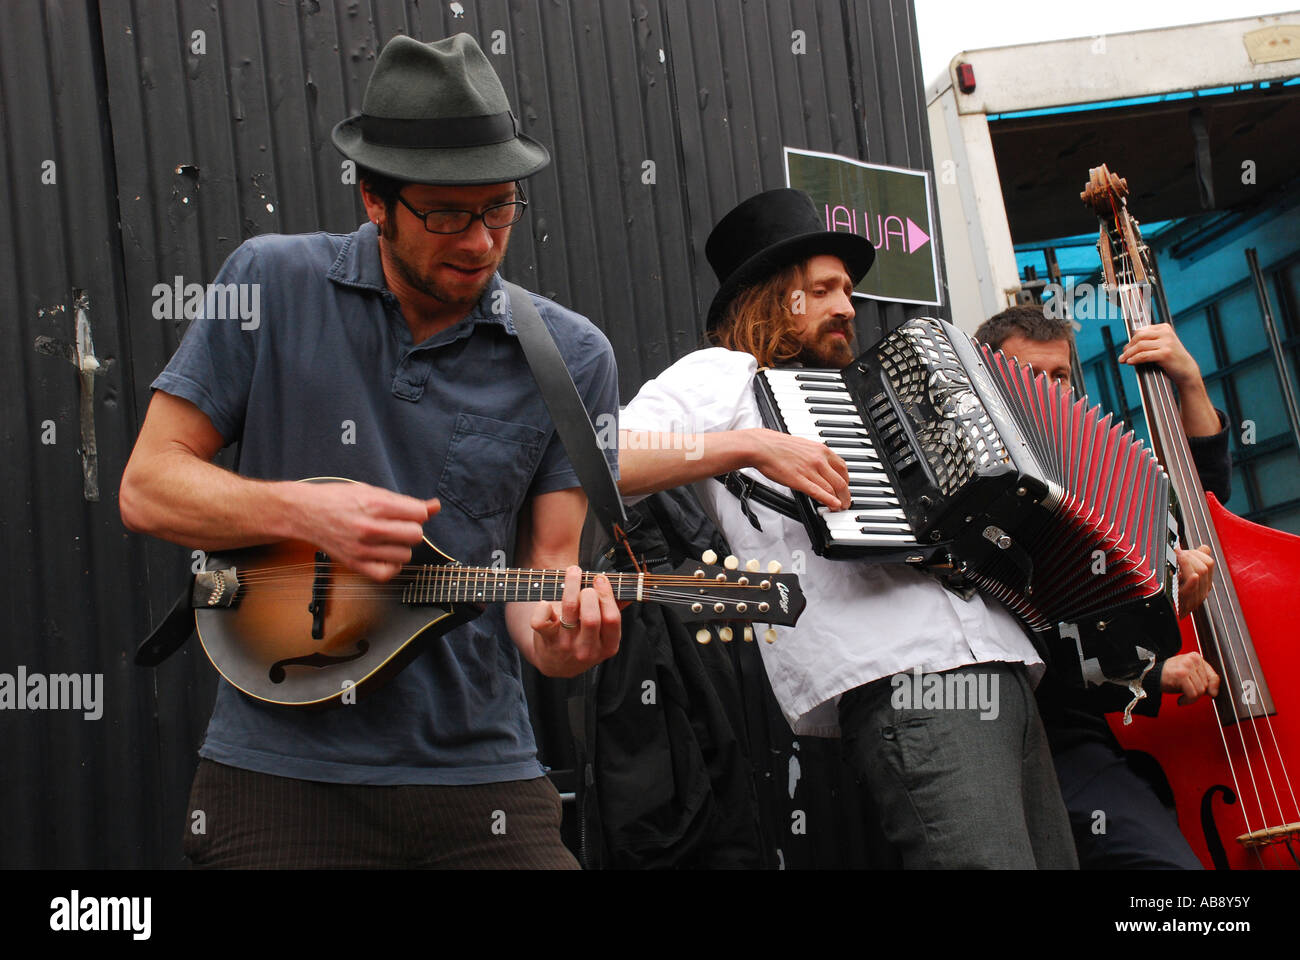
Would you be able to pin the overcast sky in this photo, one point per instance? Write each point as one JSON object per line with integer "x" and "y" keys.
{"x": 947, "y": 27}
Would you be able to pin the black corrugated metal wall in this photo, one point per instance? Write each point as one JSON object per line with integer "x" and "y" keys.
{"x": 143, "y": 141}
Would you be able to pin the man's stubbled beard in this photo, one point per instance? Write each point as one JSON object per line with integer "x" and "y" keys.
{"x": 417, "y": 281}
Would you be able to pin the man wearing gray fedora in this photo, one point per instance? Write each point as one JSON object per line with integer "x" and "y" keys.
{"x": 389, "y": 356}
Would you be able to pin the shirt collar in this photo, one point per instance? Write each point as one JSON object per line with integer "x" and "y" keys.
{"x": 359, "y": 265}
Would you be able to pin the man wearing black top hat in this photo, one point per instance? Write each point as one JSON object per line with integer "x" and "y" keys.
{"x": 959, "y": 776}
{"x": 389, "y": 356}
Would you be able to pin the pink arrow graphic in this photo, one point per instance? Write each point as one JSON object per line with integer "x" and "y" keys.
{"x": 916, "y": 237}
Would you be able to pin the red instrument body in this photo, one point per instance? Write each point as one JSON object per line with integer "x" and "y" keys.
{"x": 1265, "y": 567}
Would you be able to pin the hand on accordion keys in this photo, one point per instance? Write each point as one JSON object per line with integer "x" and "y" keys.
{"x": 808, "y": 466}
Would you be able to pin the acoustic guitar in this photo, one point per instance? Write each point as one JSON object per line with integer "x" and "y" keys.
{"x": 286, "y": 624}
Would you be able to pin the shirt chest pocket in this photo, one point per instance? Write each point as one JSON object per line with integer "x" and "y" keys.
{"x": 489, "y": 465}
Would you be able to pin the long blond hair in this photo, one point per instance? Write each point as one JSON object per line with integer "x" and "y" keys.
{"x": 759, "y": 320}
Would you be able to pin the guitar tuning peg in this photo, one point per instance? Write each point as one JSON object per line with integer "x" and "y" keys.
{"x": 749, "y": 634}
{"x": 708, "y": 556}
{"x": 731, "y": 563}
{"x": 724, "y": 634}
{"x": 702, "y": 635}
{"x": 752, "y": 564}
{"x": 769, "y": 635}
{"x": 774, "y": 567}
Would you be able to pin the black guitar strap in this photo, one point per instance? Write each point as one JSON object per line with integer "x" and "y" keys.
{"x": 171, "y": 634}
{"x": 572, "y": 422}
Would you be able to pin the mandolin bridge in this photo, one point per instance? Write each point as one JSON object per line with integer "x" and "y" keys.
{"x": 216, "y": 588}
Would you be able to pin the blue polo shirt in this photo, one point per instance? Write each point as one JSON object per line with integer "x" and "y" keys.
{"x": 328, "y": 383}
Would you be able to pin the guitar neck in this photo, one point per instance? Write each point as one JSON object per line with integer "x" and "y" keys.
{"x": 437, "y": 584}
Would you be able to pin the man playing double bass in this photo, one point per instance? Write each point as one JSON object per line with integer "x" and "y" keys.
{"x": 1094, "y": 771}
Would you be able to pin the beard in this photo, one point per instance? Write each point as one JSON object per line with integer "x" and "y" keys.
{"x": 425, "y": 283}
{"x": 826, "y": 350}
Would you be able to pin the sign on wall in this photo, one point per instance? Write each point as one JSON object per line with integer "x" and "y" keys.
{"x": 890, "y": 206}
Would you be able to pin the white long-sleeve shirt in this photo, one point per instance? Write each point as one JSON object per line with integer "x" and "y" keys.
{"x": 864, "y": 621}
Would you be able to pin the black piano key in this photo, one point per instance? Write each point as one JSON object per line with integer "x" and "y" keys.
{"x": 834, "y": 400}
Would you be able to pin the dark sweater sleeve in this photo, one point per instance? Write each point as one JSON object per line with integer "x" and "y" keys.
{"x": 1210, "y": 454}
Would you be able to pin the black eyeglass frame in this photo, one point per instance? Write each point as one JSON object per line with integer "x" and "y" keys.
{"x": 520, "y": 203}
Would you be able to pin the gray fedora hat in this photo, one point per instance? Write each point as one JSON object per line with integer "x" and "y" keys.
{"x": 437, "y": 113}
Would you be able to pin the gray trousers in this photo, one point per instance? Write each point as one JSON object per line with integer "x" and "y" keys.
{"x": 958, "y": 768}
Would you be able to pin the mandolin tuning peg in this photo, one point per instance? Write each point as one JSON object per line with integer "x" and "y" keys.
{"x": 708, "y": 556}
{"x": 702, "y": 635}
{"x": 749, "y": 634}
{"x": 725, "y": 634}
{"x": 769, "y": 635}
{"x": 774, "y": 567}
{"x": 731, "y": 563}
{"x": 752, "y": 564}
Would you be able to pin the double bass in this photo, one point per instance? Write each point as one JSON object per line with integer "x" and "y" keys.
{"x": 1226, "y": 758}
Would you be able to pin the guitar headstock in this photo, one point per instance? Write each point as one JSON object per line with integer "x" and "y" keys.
{"x": 703, "y": 590}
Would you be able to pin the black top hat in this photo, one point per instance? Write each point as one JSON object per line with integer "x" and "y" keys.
{"x": 770, "y": 231}
{"x": 437, "y": 113}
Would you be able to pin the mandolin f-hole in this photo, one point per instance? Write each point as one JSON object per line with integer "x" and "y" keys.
{"x": 276, "y": 672}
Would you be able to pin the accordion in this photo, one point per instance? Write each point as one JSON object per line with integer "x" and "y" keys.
{"x": 961, "y": 459}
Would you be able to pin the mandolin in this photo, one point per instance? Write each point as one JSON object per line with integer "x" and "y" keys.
{"x": 1225, "y": 759}
{"x": 286, "y": 624}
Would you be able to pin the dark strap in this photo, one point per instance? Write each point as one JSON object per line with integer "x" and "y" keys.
{"x": 746, "y": 488}
{"x": 572, "y": 422}
{"x": 169, "y": 635}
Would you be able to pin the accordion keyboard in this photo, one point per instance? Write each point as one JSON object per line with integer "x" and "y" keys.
{"x": 815, "y": 405}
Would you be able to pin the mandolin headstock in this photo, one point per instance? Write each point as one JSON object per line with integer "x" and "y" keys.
{"x": 705, "y": 590}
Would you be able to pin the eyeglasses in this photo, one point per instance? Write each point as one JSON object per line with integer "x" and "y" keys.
{"x": 495, "y": 217}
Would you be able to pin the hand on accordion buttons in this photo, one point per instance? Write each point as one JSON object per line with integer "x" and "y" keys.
{"x": 804, "y": 465}
{"x": 1188, "y": 674}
